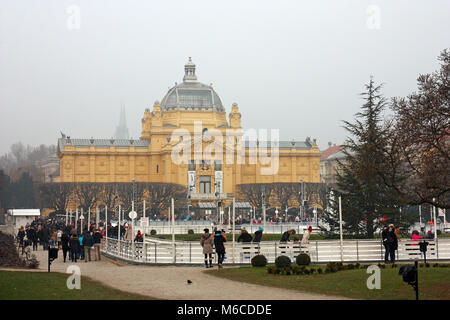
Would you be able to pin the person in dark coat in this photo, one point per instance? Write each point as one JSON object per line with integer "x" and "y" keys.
{"x": 258, "y": 235}
{"x": 88, "y": 243}
{"x": 74, "y": 246}
{"x": 244, "y": 236}
{"x": 286, "y": 235}
{"x": 391, "y": 244}
{"x": 45, "y": 237}
{"x": 65, "y": 244}
{"x": 32, "y": 236}
{"x": 384, "y": 235}
{"x": 21, "y": 235}
{"x": 219, "y": 240}
{"x": 97, "y": 243}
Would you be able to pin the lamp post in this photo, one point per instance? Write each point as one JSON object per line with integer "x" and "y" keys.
{"x": 302, "y": 199}
{"x": 263, "y": 203}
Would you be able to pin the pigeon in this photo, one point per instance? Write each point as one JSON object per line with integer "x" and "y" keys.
{"x": 189, "y": 281}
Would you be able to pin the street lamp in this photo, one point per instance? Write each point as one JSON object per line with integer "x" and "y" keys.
{"x": 263, "y": 204}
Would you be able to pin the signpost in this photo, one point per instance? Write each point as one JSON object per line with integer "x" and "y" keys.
{"x": 144, "y": 222}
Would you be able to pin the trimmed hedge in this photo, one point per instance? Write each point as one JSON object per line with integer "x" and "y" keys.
{"x": 259, "y": 261}
{"x": 303, "y": 259}
{"x": 153, "y": 232}
{"x": 283, "y": 261}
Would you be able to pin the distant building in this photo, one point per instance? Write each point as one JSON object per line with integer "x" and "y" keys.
{"x": 17, "y": 218}
{"x": 150, "y": 158}
{"x": 50, "y": 169}
{"x": 122, "y": 129}
{"x": 329, "y": 163}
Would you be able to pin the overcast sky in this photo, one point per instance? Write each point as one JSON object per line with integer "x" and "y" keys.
{"x": 293, "y": 65}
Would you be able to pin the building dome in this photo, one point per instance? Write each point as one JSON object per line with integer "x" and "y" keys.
{"x": 191, "y": 94}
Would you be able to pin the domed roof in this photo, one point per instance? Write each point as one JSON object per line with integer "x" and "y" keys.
{"x": 191, "y": 94}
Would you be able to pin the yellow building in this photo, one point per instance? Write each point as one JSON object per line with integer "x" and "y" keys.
{"x": 187, "y": 139}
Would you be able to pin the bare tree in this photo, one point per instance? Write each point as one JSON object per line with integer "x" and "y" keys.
{"x": 87, "y": 194}
{"x": 158, "y": 195}
{"x": 56, "y": 195}
{"x": 419, "y": 146}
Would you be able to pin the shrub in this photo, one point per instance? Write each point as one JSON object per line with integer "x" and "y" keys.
{"x": 435, "y": 265}
{"x": 190, "y": 231}
{"x": 427, "y": 265}
{"x": 9, "y": 257}
{"x": 319, "y": 270}
{"x": 271, "y": 270}
{"x": 153, "y": 232}
{"x": 259, "y": 261}
{"x": 307, "y": 271}
{"x": 283, "y": 261}
{"x": 33, "y": 263}
{"x": 311, "y": 271}
{"x": 332, "y": 267}
{"x": 357, "y": 265}
{"x": 303, "y": 259}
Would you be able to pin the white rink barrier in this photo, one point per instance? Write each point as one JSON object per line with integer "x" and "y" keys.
{"x": 155, "y": 251}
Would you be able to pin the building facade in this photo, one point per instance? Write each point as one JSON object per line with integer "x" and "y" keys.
{"x": 329, "y": 163}
{"x": 188, "y": 139}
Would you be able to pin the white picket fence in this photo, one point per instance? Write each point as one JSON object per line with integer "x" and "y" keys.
{"x": 155, "y": 251}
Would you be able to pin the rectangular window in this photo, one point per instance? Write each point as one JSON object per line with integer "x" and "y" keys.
{"x": 205, "y": 184}
{"x": 218, "y": 165}
{"x": 191, "y": 165}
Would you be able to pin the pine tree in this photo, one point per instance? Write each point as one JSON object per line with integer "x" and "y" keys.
{"x": 365, "y": 197}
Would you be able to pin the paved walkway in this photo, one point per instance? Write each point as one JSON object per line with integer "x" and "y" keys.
{"x": 171, "y": 282}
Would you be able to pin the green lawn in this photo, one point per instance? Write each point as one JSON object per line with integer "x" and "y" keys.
{"x": 22, "y": 285}
{"x": 434, "y": 283}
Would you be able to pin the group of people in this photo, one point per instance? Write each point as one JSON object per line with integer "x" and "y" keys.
{"x": 54, "y": 233}
{"x": 390, "y": 237}
{"x": 79, "y": 245}
{"x": 216, "y": 241}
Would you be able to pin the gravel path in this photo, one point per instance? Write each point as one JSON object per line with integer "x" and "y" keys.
{"x": 171, "y": 282}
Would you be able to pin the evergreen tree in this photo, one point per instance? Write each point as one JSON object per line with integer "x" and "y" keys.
{"x": 365, "y": 197}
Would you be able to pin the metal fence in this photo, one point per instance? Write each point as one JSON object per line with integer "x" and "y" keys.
{"x": 198, "y": 228}
{"x": 154, "y": 251}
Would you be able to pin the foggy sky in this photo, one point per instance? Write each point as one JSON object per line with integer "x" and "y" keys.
{"x": 294, "y": 65}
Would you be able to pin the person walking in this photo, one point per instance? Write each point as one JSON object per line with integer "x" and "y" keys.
{"x": 45, "y": 237}
{"x": 74, "y": 246}
{"x": 21, "y": 236}
{"x": 65, "y": 244}
{"x": 88, "y": 243}
{"x": 207, "y": 243}
{"x": 33, "y": 237}
{"x": 219, "y": 240}
{"x": 97, "y": 243}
